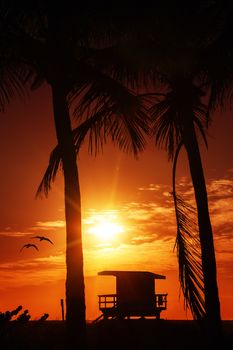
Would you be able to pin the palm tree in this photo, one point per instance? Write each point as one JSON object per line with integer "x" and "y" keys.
{"x": 175, "y": 118}
{"x": 40, "y": 46}
{"x": 177, "y": 63}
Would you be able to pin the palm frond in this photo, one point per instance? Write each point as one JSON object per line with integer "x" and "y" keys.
{"x": 99, "y": 127}
{"x": 189, "y": 259}
{"x": 122, "y": 114}
{"x": 104, "y": 125}
{"x": 11, "y": 82}
{"x": 188, "y": 253}
{"x": 169, "y": 113}
{"x": 201, "y": 129}
{"x": 55, "y": 159}
{"x": 50, "y": 173}
{"x": 166, "y": 127}
{"x": 132, "y": 62}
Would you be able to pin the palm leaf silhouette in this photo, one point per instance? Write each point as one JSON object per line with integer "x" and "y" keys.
{"x": 188, "y": 252}
{"x": 50, "y": 173}
{"x": 168, "y": 123}
{"x": 121, "y": 117}
{"x": 11, "y": 82}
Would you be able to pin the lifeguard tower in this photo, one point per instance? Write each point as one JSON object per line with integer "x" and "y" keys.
{"x": 135, "y": 296}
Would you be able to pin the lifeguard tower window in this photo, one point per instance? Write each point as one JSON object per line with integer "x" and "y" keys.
{"x": 135, "y": 296}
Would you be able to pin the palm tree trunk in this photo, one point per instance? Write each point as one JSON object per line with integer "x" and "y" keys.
{"x": 212, "y": 304}
{"x": 75, "y": 297}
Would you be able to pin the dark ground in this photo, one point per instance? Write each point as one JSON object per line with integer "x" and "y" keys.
{"x": 127, "y": 334}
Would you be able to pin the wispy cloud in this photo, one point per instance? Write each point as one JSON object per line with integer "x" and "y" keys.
{"x": 142, "y": 222}
{"x": 34, "y": 270}
{"x": 45, "y": 225}
{"x": 9, "y": 233}
{"x": 151, "y": 187}
{"x": 147, "y": 238}
{"x": 220, "y": 198}
{"x": 36, "y": 263}
{"x": 150, "y": 226}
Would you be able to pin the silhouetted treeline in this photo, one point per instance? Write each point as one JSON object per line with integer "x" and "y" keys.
{"x": 14, "y": 316}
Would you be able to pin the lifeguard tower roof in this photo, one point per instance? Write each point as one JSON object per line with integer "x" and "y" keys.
{"x": 133, "y": 274}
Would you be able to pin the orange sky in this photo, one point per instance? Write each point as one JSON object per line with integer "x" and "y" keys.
{"x": 132, "y": 196}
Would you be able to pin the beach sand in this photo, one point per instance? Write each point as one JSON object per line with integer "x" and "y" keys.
{"x": 113, "y": 334}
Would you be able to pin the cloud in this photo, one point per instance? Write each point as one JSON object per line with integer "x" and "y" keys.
{"x": 143, "y": 239}
{"x": 93, "y": 216}
{"x": 52, "y": 261}
{"x": 157, "y": 256}
{"x": 44, "y": 225}
{"x": 151, "y": 219}
{"x": 220, "y": 198}
{"x": 14, "y": 233}
{"x": 147, "y": 240}
{"x": 225, "y": 269}
{"x": 151, "y": 187}
{"x": 34, "y": 270}
{"x": 142, "y": 222}
{"x": 220, "y": 188}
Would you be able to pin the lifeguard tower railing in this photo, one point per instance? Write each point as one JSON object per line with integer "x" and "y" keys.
{"x": 110, "y": 307}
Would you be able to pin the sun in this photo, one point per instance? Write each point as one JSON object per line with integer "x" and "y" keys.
{"x": 106, "y": 230}
{"x": 105, "y": 226}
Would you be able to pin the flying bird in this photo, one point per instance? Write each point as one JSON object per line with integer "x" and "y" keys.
{"x": 42, "y": 238}
{"x": 29, "y": 246}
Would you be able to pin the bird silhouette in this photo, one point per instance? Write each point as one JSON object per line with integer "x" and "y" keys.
{"x": 42, "y": 238}
{"x": 29, "y": 246}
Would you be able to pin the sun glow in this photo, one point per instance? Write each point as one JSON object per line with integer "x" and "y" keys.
{"x": 105, "y": 226}
{"x": 106, "y": 230}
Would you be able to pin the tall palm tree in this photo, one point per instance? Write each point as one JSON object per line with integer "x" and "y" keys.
{"x": 40, "y": 46}
{"x": 179, "y": 61}
{"x": 175, "y": 118}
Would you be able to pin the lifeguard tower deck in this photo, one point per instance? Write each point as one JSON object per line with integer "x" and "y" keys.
{"x": 135, "y": 296}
